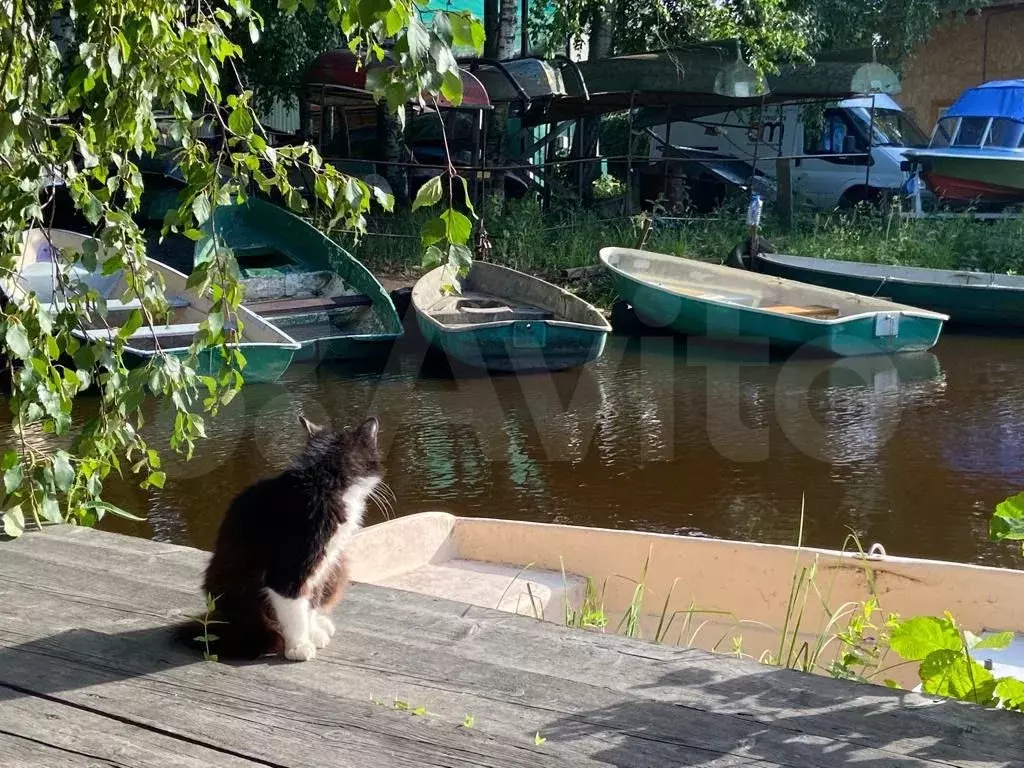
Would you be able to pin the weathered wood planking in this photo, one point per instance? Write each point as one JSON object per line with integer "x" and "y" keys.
{"x": 89, "y": 676}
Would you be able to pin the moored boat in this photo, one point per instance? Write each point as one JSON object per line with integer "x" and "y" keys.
{"x": 711, "y": 300}
{"x": 268, "y": 351}
{"x": 976, "y": 154}
{"x": 304, "y": 282}
{"x": 979, "y": 299}
{"x": 555, "y": 571}
{"x": 504, "y": 320}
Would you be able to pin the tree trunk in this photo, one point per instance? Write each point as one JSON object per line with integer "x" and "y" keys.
{"x": 500, "y": 25}
{"x": 492, "y": 13}
{"x": 586, "y": 143}
{"x": 506, "y": 44}
{"x": 393, "y": 151}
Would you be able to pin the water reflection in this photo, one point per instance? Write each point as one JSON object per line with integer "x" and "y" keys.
{"x": 660, "y": 434}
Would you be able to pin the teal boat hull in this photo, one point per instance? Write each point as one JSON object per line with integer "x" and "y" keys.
{"x": 516, "y": 347}
{"x": 264, "y": 363}
{"x": 506, "y": 321}
{"x": 259, "y": 233}
{"x": 978, "y": 306}
{"x": 885, "y": 330}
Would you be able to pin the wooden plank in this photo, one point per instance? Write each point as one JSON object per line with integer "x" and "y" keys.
{"x": 593, "y": 696}
{"x": 811, "y": 310}
{"x": 20, "y": 752}
{"x": 177, "y": 329}
{"x": 137, "y": 670}
{"x": 129, "y": 669}
{"x": 42, "y": 728}
{"x": 314, "y": 303}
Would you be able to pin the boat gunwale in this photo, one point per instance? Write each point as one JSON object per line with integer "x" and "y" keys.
{"x": 772, "y": 257}
{"x": 286, "y": 342}
{"x": 968, "y": 153}
{"x": 604, "y": 327}
{"x": 903, "y": 309}
{"x": 857, "y": 555}
{"x": 360, "y": 278}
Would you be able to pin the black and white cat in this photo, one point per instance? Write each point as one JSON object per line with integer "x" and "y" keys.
{"x": 278, "y": 565}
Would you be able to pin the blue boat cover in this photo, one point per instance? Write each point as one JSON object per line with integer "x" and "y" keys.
{"x": 999, "y": 98}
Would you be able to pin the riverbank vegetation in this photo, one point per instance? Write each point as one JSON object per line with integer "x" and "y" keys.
{"x": 553, "y": 245}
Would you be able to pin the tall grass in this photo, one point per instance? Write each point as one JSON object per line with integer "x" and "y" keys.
{"x": 547, "y": 244}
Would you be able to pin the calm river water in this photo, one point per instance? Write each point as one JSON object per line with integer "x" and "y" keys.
{"x": 912, "y": 451}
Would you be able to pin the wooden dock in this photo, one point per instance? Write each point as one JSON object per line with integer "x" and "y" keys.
{"x": 89, "y": 676}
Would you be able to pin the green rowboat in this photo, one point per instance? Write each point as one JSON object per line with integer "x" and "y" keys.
{"x": 979, "y": 299}
{"x": 504, "y": 320}
{"x": 268, "y": 350}
{"x": 304, "y": 282}
{"x": 711, "y": 300}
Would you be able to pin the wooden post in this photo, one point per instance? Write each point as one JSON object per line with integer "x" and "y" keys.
{"x": 784, "y": 193}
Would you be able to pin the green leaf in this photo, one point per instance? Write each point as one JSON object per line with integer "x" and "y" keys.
{"x": 102, "y": 507}
{"x": 467, "y": 32}
{"x": 384, "y": 199}
{"x": 14, "y": 522}
{"x": 468, "y": 199}
{"x": 1008, "y": 520}
{"x": 201, "y": 207}
{"x": 51, "y": 510}
{"x": 432, "y": 257}
{"x": 451, "y": 88}
{"x": 433, "y": 231}
{"x": 429, "y": 194}
{"x": 215, "y": 321}
{"x": 254, "y": 31}
{"x": 460, "y": 257}
{"x": 12, "y": 479}
{"x": 395, "y": 20}
{"x": 1010, "y": 693}
{"x": 916, "y": 638}
{"x": 156, "y": 479}
{"x": 240, "y": 121}
{"x": 17, "y": 341}
{"x": 114, "y": 60}
{"x": 538, "y": 739}
{"x": 994, "y": 642}
{"x": 63, "y": 473}
{"x": 131, "y": 325}
{"x": 457, "y": 226}
{"x": 418, "y": 39}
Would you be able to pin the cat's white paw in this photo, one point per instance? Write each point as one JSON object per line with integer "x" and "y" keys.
{"x": 318, "y": 636}
{"x": 325, "y": 624}
{"x": 303, "y": 651}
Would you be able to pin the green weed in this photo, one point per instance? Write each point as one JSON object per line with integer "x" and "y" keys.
{"x": 206, "y": 622}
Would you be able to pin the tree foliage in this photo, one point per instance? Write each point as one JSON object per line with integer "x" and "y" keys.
{"x": 894, "y": 27}
{"x": 771, "y": 30}
{"x": 276, "y": 61}
{"x": 91, "y": 89}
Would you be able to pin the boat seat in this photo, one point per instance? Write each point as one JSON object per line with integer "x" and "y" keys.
{"x": 499, "y": 307}
{"x": 311, "y": 304}
{"x": 174, "y": 302}
{"x": 811, "y": 310}
{"x": 114, "y": 305}
{"x": 145, "y": 332}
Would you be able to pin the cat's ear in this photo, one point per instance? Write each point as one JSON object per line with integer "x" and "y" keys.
{"x": 367, "y": 433}
{"x": 311, "y": 429}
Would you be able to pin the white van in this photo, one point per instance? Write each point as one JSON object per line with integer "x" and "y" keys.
{"x": 831, "y": 132}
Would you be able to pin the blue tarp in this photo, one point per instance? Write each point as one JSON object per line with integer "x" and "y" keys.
{"x": 999, "y": 98}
